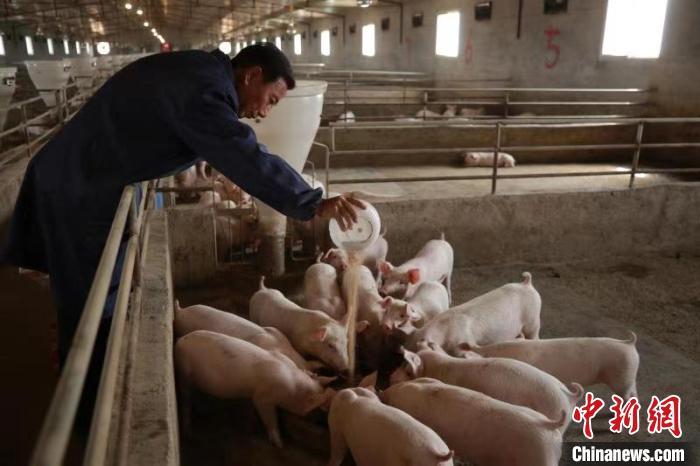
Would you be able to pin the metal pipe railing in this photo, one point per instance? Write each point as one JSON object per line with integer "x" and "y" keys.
{"x": 495, "y": 96}
{"x": 55, "y": 432}
{"x": 102, "y": 415}
{"x": 501, "y": 125}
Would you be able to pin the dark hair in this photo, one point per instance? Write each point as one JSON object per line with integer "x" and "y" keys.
{"x": 267, "y": 56}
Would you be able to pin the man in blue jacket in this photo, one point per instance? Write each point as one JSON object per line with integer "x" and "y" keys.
{"x": 153, "y": 118}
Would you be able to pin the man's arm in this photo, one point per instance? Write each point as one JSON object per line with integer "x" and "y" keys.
{"x": 212, "y": 131}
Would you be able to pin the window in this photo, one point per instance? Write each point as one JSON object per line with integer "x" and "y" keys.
{"x": 88, "y": 48}
{"x": 66, "y": 49}
{"x": 264, "y": 39}
{"x": 30, "y": 45}
{"x": 297, "y": 44}
{"x": 326, "y": 43}
{"x": 103, "y": 48}
{"x": 447, "y": 34}
{"x": 238, "y": 47}
{"x": 77, "y": 47}
{"x": 278, "y": 42}
{"x": 225, "y": 47}
{"x": 245, "y": 44}
{"x": 2, "y": 45}
{"x": 252, "y": 42}
{"x": 49, "y": 45}
{"x": 634, "y": 28}
{"x": 368, "y": 40}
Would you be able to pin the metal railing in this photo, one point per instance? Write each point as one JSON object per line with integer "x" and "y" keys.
{"x": 53, "y": 440}
{"x": 496, "y": 102}
{"x": 53, "y": 119}
{"x": 500, "y": 126}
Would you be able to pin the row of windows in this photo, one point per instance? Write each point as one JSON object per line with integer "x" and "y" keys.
{"x": 633, "y": 29}
{"x": 29, "y": 44}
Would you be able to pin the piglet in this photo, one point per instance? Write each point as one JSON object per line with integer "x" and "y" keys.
{"x": 499, "y": 315}
{"x": 503, "y": 379}
{"x": 429, "y": 300}
{"x": 432, "y": 263}
{"x": 377, "y": 434}
{"x": 201, "y": 317}
{"x": 322, "y": 290}
{"x": 479, "y": 428}
{"x": 485, "y": 159}
{"x": 228, "y": 368}
{"x": 587, "y": 361}
{"x": 311, "y": 332}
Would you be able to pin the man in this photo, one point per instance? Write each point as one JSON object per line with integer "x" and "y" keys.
{"x": 153, "y": 118}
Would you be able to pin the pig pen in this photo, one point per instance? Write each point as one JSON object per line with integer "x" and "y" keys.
{"x": 603, "y": 261}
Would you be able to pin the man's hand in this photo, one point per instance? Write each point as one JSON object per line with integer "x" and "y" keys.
{"x": 342, "y": 209}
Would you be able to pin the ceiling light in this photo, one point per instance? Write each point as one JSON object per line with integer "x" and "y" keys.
{"x": 128, "y": 6}
{"x": 153, "y": 30}
{"x": 139, "y": 12}
{"x": 146, "y": 24}
{"x": 364, "y": 3}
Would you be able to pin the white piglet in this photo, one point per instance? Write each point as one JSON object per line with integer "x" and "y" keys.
{"x": 587, "y": 361}
{"x": 229, "y": 368}
{"x": 311, "y": 332}
{"x": 500, "y": 315}
{"x": 429, "y": 300}
{"x": 322, "y": 291}
{"x": 377, "y": 434}
{"x": 503, "y": 379}
{"x": 485, "y": 159}
{"x": 432, "y": 263}
{"x": 479, "y": 428}
{"x": 201, "y": 317}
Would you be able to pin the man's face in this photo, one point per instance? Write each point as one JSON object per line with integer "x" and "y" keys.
{"x": 256, "y": 96}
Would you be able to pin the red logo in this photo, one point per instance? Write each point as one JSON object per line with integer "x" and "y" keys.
{"x": 587, "y": 412}
{"x": 626, "y": 415}
{"x": 665, "y": 415}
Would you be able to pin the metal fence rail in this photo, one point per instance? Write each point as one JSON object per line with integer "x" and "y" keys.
{"x": 51, "y": 446}
{"x": 56, "y": 117}
{"x": 500, "y": 101}
{"x": 501, "y": 125}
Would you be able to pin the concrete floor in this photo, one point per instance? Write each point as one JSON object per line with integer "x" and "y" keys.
{"x": 655, "y": 296}
{"x": 442, "y": 189}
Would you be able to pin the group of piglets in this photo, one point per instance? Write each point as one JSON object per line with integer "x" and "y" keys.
{"x": 473, "y": 381}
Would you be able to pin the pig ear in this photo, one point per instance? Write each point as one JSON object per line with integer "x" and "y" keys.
{"x": 324, "y": 380}
{"x": 413, "y": 276}
{"x": 370, "y": 381}
{"x": 386, "y": 302}
{"x": 320, "y": 400}
{"x": 361, "y": 326}
{"x": 385, "y": 267}
{"x": 319, "y": 334}
{"x": 413, "y": 361}
{"x": 411, "y": 313}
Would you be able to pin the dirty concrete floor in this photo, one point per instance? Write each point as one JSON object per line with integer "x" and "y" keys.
{"x": 657, "y": 297}
{"x": 441, "y": 189}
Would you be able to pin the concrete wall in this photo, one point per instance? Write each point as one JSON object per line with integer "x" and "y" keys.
{"x": 490, "y": 50}
{"x": 554, "y": 227}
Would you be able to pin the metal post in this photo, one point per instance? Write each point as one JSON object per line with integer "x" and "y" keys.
{"x": 26, "y": 130}
{"x": 507, "y": 103}
{"x": 345, "y": 99}
{"x": 637, "y": 151}
{"x": 494, "y": 176}
{"x": 425, "y": 103}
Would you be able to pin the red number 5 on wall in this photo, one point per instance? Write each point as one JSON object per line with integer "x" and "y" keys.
{"x": 553, "y": 52}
